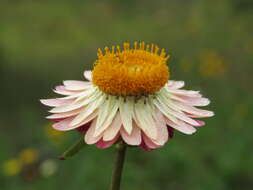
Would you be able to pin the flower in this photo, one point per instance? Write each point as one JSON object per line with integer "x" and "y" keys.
{"x": 128, "y": 96}
{"x": 48, "y": 168}
{"x": 12, "y": 167}
{"x": 29, "y": 156}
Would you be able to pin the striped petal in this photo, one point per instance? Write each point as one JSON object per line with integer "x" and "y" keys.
{"x": 88, "y": 110}
{"x": 89, "y": 136}
{"x": 62, "y": 125}
{"x": 192, "y": 101}
{"x": 188, "y": 93}
{"x": 76, "y": 105}
{"x": 192, "y": 110}
{"x": 126, "y": 108}
{"x": 132, "y": 139}
{"x": 65, "y": 114}
{"x": 175, "y": 84}
{"x": 63, "y": 91}
{"x": 106, "y": 144}
{"x": 181, "y": 126}
{"x": 55, "y": 102}
{"x": 113, "y": 129}
{"x": 67, "y": 126}
{"x": 106, "y": 115}
{"x": 81, "y": 94}
{"x": 173, "y": 113}
{"x": 162, "y": 131}
{"x": 149, "y": 143}
{"x": 143, "y": 117}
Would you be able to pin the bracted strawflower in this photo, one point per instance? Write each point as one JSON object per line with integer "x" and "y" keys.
{"x": 128, "y": 98}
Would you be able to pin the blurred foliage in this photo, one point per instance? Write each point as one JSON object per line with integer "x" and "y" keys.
{"x": 44, "y": 42}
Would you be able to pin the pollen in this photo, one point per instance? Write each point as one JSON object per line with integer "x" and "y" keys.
{"x": 131, "y": 71}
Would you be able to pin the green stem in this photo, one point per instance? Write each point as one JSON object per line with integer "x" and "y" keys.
{"x": 72, "y": 150}
{"x": 118, "y": 166}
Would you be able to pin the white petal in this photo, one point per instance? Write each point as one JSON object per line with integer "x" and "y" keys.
{"x": 126, "y": 111}
{"x": 86, "y": 94}
{"x": 76, "y": 85}
{"x": 176, "y": 84}
{"x": 143, "y": 116}
{"x": 107, "y": 114}
{"x": 86, "y": 120}
{"x": 189, "y": 93}
{"x": 192, "y": 110}
{"x": 194, "y": 101}
{"x": 165, "y": 111}
{"x": 76, "y": 105}
{"x": 88, "y": 75}
{"x": 113, "y": 129}
{"x": 163, "y": 101}
{"x": 82, "y": 94}
{"x": 88, "y": 110}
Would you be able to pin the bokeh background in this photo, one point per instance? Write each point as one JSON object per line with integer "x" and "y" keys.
{"x": 43, "y": 42}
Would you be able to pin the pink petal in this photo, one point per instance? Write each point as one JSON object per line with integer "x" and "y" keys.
{"x": 183, "y": 117}
{"x": 192, "y": 110}
{"x": 144, "y": 146}
{"x": 58, "y": 119}
{"x": 62, "y": 125}
{"x": 66, "y": 126}
{"x": 187, "y": 93}
{"x": 150, "y": 144}
{"x": 67, "y": 107}
{"x": 181, "y": 126}
{"x": 89, "y": 137}
{"x": 106, "y": 144}
{"x": 77, "y": 104}
{"x": 162, "y": 131}
{"x": 65, "y": 114}
{"x": 201, "y": 123}
{"x": 113, "y": 129}
{"x": 84, "y": 128}
{"x": 134, "y": 138}
{"x": 201, "y": 115}
{"x": 63, "y": 91}
{"x": 55, "y": 102}
{"x": 193, "y": 101}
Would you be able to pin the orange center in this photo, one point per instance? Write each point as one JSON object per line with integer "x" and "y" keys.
{"x": 136, "y": 71}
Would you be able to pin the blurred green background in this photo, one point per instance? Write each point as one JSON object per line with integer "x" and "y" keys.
{"x": 43, "y": 42}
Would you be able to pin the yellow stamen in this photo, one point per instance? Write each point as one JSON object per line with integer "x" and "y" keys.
{"x": 136, "y": 71}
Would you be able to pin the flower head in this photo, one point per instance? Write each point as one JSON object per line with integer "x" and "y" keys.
{"x": 139, "y": 71}
{"x": 128, "y": 97}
